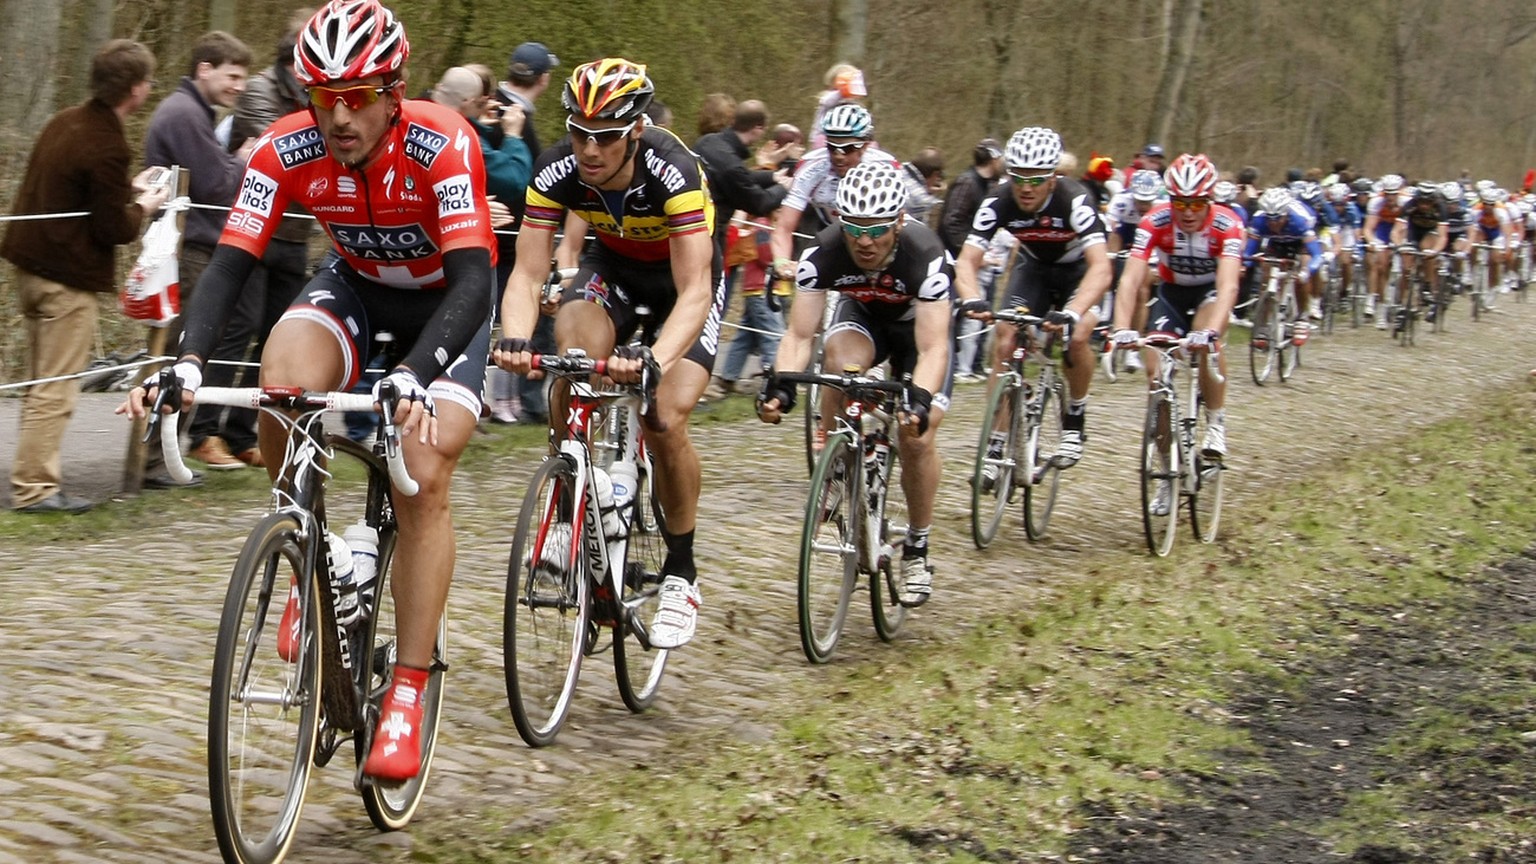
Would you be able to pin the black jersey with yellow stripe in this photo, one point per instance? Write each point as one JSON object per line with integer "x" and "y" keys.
{"x": 667, "y": 197}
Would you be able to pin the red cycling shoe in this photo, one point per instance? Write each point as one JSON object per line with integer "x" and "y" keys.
{"x": 396, "y": 752}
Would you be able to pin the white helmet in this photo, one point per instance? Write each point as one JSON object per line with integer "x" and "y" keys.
{"x": 1146, "y": 185}
{"x": 1033, "y": 148}
{"x": 1391, "y": 182}
{"x": 1450, "y": 190}
{"x": 1224, "y": 192}
{"x": 1338, "y": 192}
{"x": 1275, "y": 201}
{"x": 872, "y": 190}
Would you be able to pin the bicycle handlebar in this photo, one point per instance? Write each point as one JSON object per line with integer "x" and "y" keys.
{"x": 574, "y": 363}
{"x": 291, "y": 398}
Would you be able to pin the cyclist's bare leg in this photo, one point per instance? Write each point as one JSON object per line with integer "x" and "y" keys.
{"x": 1079, "y": 370}
{"x": 677, "y": 462}
{"x": 579, "y": 324}
{"x": 843, "y": 348}
{"x": 1215, "y": 392}
{"x": 920, "y": 467}
{"x": 424, "y": 557}
{"x": 298, "y": 353}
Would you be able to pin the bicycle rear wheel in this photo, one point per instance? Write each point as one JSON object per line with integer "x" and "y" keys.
{"x": 263, "y": 709}
{"x": 1159, "y": 475}
{"x": 1040, "y": 458}
{"x": 547, "y": 606}
{"x": 390, "y": 808}
{"x": 637, "y": 666}
{"x": 1262, "y": 340}
{"x": 887, "y": 610}
{"x": 990, "y": 497}
{"x": 829, "y": 555}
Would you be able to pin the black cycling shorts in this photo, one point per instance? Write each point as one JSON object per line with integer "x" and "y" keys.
{"x": 620, "y": 285}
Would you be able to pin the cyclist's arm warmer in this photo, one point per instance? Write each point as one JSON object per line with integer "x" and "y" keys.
{"x": 466, "y": 306}
{"x": 1314, "y": 256}
{"x": 213, "y": 300}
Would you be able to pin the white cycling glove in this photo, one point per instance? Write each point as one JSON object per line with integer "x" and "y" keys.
{"x": 1201, "y": 339}
{"x": 189, "y": 376}
{"x": 408, "y": 386}
{"x": 1124, "y": 339}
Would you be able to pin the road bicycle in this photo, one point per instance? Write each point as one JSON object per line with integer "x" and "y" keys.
{"x": 1413, "y": 296}
{"x": 1028, "y": 414}
{"x": 280, "y": 703}
{"x": 815, "y": 429}
{"x": 1271, "y": 344}
{"x": 1480, "y": 292}
{"x": 1172, "y": 468}
{"x": 1334, "y": 293}
{"x": 584, "y": 574}
{"x": 1359, "y": 287}
{"x": 854, "y": 526}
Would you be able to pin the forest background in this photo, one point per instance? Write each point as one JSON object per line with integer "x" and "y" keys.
{"x": 1421, "y": 87}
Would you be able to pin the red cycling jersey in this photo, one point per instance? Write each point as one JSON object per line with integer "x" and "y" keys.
{"x": 390, "y": 221}
{"x": 1188, "y": 259}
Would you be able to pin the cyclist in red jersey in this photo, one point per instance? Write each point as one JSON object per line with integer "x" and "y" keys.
{"x": 1199, "y": 247}
{"x": 400, "y": 188}
{"x": 644, "y": 194}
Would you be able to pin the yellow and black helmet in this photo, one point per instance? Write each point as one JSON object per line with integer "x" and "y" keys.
{"x": 609, "y": 89}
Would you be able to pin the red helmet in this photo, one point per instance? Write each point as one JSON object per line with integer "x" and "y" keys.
{"x": 1190, "y": 176}
{"x": 348, "y": 40}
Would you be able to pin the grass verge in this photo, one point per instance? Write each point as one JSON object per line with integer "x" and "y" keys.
{"x": 1000, "y": 741}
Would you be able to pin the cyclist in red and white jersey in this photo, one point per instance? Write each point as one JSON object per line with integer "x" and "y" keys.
{"x": 646, "y": 198}
{"x": 1199, "y": 247}
{"x": 399, "y": 185}
{"x": 1382, "y": 213}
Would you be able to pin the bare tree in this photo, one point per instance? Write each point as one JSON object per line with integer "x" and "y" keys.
{"x": 850, "y": 25}
{"x": 1181, "y": 50}
{"x": 29, "y": 44}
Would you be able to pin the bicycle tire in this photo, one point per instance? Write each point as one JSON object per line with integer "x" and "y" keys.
{"x": 1287, "y": 352}
{"x": 638, "y": 668}
{"x": 1261, "y": 341}
{"x": 1205, "y": 502}
{"x": 546, "y": 614}
{"x": 243, "y": 760}
{"x": 1332, "y": 294}
{"x": 884, "y": 607}
{"x": 391, "y": 807}
{"x": 829, "y": 554}
{"x": 989, "y": 502}
{"x": 812, "y": 421}
{"x": 1044, "y": 478}
{"x": 1158, "y": 469}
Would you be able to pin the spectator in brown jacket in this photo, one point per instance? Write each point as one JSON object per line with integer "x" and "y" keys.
{"x": 79, "y": 163}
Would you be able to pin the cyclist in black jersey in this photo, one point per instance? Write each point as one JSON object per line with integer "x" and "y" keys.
{"x": 1426, "y": 227}
{"x": 644, "y": 195}
{"x": 894, "y": 276}
{"x": 1063, "y": 268}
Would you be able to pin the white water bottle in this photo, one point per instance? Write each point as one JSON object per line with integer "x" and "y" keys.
{"x": 625, "y": 476}
{"x": 363, "y": 540}
{"x": 610, "y": 514}
{"x": 347, "y": 612}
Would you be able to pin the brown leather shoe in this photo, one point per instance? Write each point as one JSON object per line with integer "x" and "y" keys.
{"x": 214, "y": 453}
{"x": 252, "y": 457}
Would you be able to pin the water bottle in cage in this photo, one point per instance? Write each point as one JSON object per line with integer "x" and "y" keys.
{"x": 343, "y": 589}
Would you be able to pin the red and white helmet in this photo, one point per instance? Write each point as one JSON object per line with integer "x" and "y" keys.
{"x": 348, "y": 40}
{"x": 1190, "y": 176}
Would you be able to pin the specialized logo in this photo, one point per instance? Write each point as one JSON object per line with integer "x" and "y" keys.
{"x": 384, "y": 243}
{"x": 257, "y": 192}
{"x": 455, "y": 196}
{"x": 299, "y": 147}
{"x": 423, "y": 144}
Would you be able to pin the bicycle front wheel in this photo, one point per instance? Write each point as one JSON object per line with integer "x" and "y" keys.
{"x": 264, "y": 702}
{"x": 544, "y": 630}
{"x": 1205, "y": 501}
{"x": 829, "y": 556}
{"x": 887, "y": 610}
{"x": 992, "y": 479}
{"x": 1040, "y": 458}
{"x": 1262, "y": 341}
{"x": 1159, "y": 475}
{"x": 637, "y": 666}
{"x": 390, "y": 808}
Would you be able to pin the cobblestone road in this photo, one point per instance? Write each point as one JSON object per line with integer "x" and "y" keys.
{"x": 103, "y": 676}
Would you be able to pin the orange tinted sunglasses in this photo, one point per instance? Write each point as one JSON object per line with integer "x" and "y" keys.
{"x": 357, "y": 98}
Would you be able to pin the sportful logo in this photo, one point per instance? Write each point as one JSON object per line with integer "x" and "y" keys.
{"x": 423, "y": 144}
{"x": 299, "y": 147}
{"x": 384, "y": 243}
{"x": 346, "y": 187}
